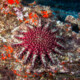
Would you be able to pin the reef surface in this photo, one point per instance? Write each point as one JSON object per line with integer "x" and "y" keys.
{"x": 16, "y": 19}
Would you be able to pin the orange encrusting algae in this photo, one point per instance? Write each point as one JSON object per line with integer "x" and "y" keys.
{"x": 17, "y": 60}
{"x": 26, "y": 21}
{"x": 33, "y": 17}
{"x": 62, "y": 63}
{"x": 20, "y": 20}
{"x": 33, "y": 75}
{"x": 9, "y": 55}
{"x": 8, "y": 50}
{"x": 4, "y": 57}
{"x": 13, "y": 1}
{"x": 45, "y": 14}
{"x": 50, "y": 74}
{"x": 4, "y": 12}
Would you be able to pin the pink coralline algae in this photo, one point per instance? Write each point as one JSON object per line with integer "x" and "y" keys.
{"x": 39, "y": 42}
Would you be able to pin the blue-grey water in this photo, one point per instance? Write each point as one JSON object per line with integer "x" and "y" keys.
{"x": 64, "y": 7}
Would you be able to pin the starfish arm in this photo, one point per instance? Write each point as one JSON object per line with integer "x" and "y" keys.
{"x": 43, "y": 59}
{"x": 34, "y": 59}
{"x": 26, "y": 57}
{"x": 59, "y": 45}
{"x": 56, "y": 50}
{"x": 29, "y": 26}
{"x": 51, "y": 57}
{"x": 53, "y": 31}
{"x": 58, "y": 38}
{"x": 21, "y": 54}
{"x": 22, "y": 32}
{"x": 47, "y": 25}
{"x": 39, "y": 24}
{"x": 17, "y": 44}
{"x": 20, "y": 38}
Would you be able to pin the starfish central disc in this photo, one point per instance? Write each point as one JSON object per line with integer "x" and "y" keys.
{"x": 40, "y": 38}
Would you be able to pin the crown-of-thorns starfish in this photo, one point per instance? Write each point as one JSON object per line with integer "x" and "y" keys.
{"x": 39, "y": 41}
